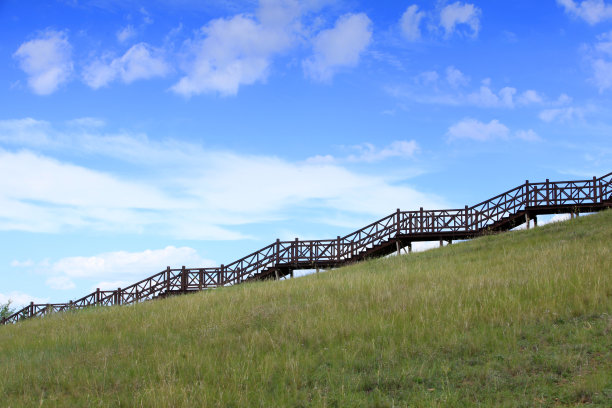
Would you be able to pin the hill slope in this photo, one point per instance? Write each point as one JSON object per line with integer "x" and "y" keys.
{"x": 518, "y": 319}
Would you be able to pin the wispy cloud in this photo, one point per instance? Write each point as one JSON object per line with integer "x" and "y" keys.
{"x": 474, "y": 129}
{"x": 456, "y": 15}
{"x": 177, "y": 189}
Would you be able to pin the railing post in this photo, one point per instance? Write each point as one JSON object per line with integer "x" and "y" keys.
{"x": 277, "y": 251}
{"x": 467, "y": 221}
{"x": 526, "y": 193}
{"x": 167, "y": 279}
{"x": 594, "y": 189}
{"x": 296, "y": 252}
{"x": 201, "y": 279}
{"x": 31, "y": 309}
{"x": 338, "y": 248}
{"x": 183, "y": 279}
{"x": 221, "y": 276}
{"x": 97, "y": 296}
{"x": 397, "y": 222}
{"x": 421, "y": 221}
{"x": 547, "y": 192}
{"x": 118, "y": 295}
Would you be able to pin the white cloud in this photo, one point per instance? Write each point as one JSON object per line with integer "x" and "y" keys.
{"x": 231, "y": 52}
{"x": 339, "y": 47}
{"x": 60, "y": 283}
{"x": 456, "y": 78}
{"x": 46, "y": 60}
{"x": 527, "y": 135}
{"x": 122, "y": 264}
{"x": 126, "y": 33}
{"x": 141, "y": 61}
{"x": 19, "y": 299}
{"x": 429, "y": 89}
{"x": 530, "y": 97}
{"x": 368, "y": 153}
{"x": 563, "y": 115}
{"x": 410, "y": 22}
{"x": 602, "y": 74}
{"x": 178, "y": 189}
{"x": 22, "y": 264}
{"x": 591, "y": 11}
{"x": 473, "y": 129}
{"x": 459, "y": 14}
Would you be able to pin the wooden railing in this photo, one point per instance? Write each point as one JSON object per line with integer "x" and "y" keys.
{"x": 499, "y": 213}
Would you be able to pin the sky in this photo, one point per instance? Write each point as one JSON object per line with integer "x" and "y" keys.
{"x": 136, "y": 135}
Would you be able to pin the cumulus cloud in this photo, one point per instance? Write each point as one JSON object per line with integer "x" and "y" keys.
{"x": 46, "y": 60}
{"x": 410, "y": 22}
{"x": 141, "y": 61}
{"x": 339, "y": 47}
{"x": 457, "y": 15}
{"x": 591, "y": 11}
{"x": 230, "y": 52}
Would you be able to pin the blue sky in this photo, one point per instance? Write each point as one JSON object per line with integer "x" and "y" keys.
{"x": 135, "y": 135}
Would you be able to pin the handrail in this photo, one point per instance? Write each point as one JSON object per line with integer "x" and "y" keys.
{"x": 489, "y": 215}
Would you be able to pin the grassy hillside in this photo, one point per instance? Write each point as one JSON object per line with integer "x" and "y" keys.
{"x": 518, "y": 319}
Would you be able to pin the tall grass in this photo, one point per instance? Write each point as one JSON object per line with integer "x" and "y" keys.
{"x": 518, "y": 319}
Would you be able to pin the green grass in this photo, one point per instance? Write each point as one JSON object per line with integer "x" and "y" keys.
{"x": 520, "y": 319}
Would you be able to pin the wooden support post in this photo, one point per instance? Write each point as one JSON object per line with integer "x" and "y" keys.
{"x": 338, "y": 249}
{"x": 594, "y": 189}
{"x": 317, "y": 269}
{"x": 547, "y": 192}
{"x": 276, "y": 273}
{"x": 527, "y": 219}
{"x": 449, "y": 242}
{"x": 118, "y": 296}
{"x": 467, "y": 218}
{"x": 410, "y": 247}
{"x": 296, "y": 253}
{"x": 291, "y": 273}
{"x": 97, "y": 296}
{"x": 200, "y": 279}
{"x": 441, "y": 243}
{"x": 221, "y": 276}
{"x": 31, "y": 309}
{"x": 535, "y": 221}
{"x": 397, "y": 246}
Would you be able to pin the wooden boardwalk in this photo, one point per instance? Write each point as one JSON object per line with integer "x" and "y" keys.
{"x": 392, "y": 233}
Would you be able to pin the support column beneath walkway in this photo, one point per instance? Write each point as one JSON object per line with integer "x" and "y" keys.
{"x": 441, "y": 243}
{"x": 535, "y": 221}
{"x": 276, "y": 273}
{"x": 527, "y": 221}
{"x": 398, "y": 247}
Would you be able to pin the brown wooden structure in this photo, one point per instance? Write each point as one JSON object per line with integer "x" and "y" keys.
{"x": 389, "y": 234}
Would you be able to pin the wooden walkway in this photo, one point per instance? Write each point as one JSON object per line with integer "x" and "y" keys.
{"x": 389, "y": 234}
